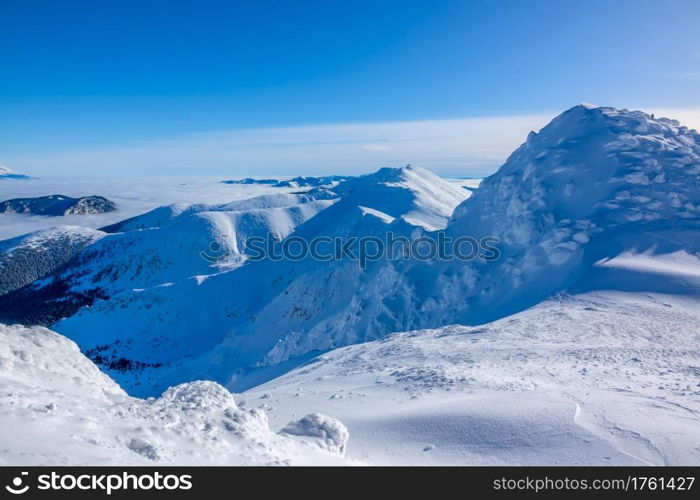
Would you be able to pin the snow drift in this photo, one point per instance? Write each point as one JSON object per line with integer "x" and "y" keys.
{"x": 57, "y": 408}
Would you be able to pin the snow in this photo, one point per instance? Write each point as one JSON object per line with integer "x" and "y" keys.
{"x": 27, "y": 258}
{"x": 57, "y": 408}
{"x": 595, "y": 379}
{"x": 221, "y": 350}
{"x": 412, "y": 193}
{"x": 676, "y": 264}
{"x": 376, "y": 213}
{"x": 57, "y": 205}
{"x": 332, "y": 433}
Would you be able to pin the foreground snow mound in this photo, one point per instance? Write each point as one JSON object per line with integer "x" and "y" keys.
{"x": 58, "y": 408}
{"x": 596, "y": 379}
{"x": 333, "y": 433}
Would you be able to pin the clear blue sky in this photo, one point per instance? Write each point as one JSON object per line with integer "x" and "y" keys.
{"x": 86, "y": 75}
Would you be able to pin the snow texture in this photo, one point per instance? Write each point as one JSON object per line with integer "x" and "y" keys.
{"x": 27, "y": 258}
{"x": 596, "y": 379}
{"x": 57, "y": 408}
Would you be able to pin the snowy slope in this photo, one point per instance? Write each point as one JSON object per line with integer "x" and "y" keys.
{"x": 26, "y": 258}
{"x": 57, "y": 408}
{"x": 596, "y": 379}
{"x": 592, "y": 183}
{"x": 577, "y": 346}
{"x": 267, "y": 296}
{"x": 161, "y": 247}
{"x": 163, "y": 216}
{"x": 412, "y": 193}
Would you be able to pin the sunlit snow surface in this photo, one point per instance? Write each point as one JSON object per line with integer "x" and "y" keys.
{"x": 57, "y": 408}
{"x": 599, "y": 379}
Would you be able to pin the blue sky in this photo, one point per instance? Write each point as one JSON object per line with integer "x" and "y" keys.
{"x": 239, "y": 87}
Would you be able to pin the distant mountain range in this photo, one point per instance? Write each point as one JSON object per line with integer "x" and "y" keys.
{"x": 58, "y": 205}
{"x": 296, "y": 182}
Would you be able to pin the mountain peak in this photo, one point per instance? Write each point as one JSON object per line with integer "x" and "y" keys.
{"x": 412, "y": 193}
{"x": 602, "y": 164}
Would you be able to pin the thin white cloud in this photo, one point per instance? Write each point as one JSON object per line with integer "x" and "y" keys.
{"x": 467, "y": 146}
{"x": 376, "y": 147}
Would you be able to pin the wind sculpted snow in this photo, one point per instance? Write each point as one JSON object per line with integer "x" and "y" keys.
{"x": 59, "y": 409}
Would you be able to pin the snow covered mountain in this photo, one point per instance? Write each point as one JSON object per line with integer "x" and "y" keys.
{"x": 600, "y": 199}
{"x": 27, "y": 258}
{"x": 7, "y": 173}
{"x": 295, "y": 182}
{"x": 59, "y": 409}
{"x": 593, "y": 184}
{"x": 253, "y": 298}
{"x": 160, "y": 247}
{"x": 57, "y": 205}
